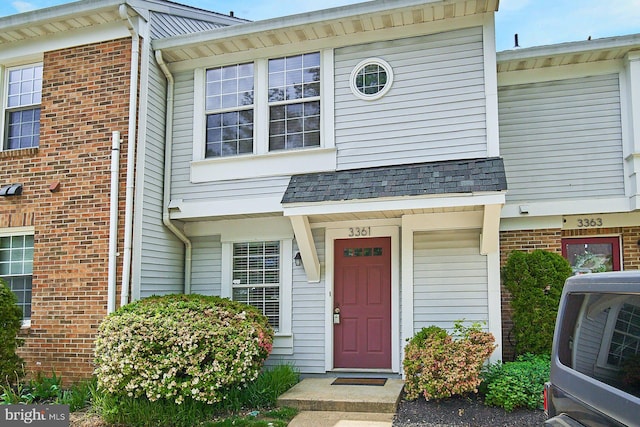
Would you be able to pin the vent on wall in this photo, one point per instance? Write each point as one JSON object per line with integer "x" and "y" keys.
{"x": 11, "y": 190}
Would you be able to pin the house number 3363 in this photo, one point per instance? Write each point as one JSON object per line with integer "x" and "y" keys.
{"x": 589, "y": 222}
{"x": 359, "y": 231}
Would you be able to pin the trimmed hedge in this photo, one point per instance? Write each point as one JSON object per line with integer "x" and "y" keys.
{"x": 178, "y": 347}
{"x": 535, "y": 281}
{"x": 10, "y": 322}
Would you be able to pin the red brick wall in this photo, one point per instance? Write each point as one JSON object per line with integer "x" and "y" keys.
{"x": 550, "y": 240}
{"x": 85, "y": 96}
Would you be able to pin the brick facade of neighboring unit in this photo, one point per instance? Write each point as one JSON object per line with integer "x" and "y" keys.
{"x": 85, "y": 96}
{"x": 550, "y": 240}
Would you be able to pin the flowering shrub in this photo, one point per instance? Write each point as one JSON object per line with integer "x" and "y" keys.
{"x": 439, "y": 365}
{"x": 178, "y": 347}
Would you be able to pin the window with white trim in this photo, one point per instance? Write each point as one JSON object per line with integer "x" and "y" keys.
{"x": 371, "y": 79}
{"x": 229, "y": 110}
{"x": 256, "y": 277}
{"x": 22, "y": 107}
{"x": 625, "y": 338}
{"x": 294, "y": 102}
{"x": 16, "y": 268}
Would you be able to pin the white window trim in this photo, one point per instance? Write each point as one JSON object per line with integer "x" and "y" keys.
{"x": 605, "y": 346}
{"x": 4, "y": 93}
{"x": 264, "y": 163}
{"x": 20, "y": 231}
{"x": 371, "y": 61}
{"x": 286, "y": 271}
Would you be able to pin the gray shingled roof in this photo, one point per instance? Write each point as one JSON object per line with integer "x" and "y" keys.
{"x": 456, "y": 176}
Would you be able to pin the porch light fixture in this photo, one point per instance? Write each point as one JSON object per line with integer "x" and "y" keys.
{"x": 11, "y": 190}
{"x": 298, "y": 259}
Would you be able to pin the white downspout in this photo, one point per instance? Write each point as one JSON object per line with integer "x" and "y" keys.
{"x": 131, "y": 152}
{"x": 113, "y": 222}
{"x": 168, "y": 148}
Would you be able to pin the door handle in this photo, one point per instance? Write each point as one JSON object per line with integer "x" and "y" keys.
{"x": 336, "y": 316}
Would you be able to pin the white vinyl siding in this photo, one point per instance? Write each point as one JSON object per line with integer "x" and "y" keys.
{"x": 181, "y": 186}
{"x": 166, "y": 25}
{"x": 562, "y": 139}
{"x": 206, "y": 266}
{"x": 435, "y": 109}
{"x": 308, "y": 317}
{"x": 159, "y": 255}
{"x": 450, "y": 279}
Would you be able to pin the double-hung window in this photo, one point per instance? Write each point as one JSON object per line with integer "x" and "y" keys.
{"x": 272, "y": 116}
{"x": 229, "y": 110}
{"x": 16, "y": 268}
{"x": 294, "y": 102}
{"x": 256, "y": 277}
{"x": 22, "y": 112}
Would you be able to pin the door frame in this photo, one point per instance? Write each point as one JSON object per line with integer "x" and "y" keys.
{"x": 350, "y": 231}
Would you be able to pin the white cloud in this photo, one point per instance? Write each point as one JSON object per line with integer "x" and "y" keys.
{"x": 23, "y": 6}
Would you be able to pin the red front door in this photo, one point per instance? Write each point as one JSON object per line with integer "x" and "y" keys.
{"x": 362, "y": 295}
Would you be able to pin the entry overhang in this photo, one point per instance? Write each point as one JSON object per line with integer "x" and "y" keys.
{"x": 306, "y": 246}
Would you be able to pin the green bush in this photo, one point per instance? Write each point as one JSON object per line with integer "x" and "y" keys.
{"x": 516, "y": 384}
{"x": 10, "y": 322}
{"x": 181, "y": 347}
{"x": 439, "y": 365}
{"x": 44, "y": 389}
{"x": 141, "y": 412}
{"x": 535, "y": 281}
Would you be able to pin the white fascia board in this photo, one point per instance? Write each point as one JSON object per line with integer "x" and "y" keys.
{"x": 562, "y": 72}
{"x": 279, "y": 163}
{"x": 302, "y": 19}
{"x": 338, "y": 41}
{"x": 216, "y": 208}
{"x": 569, "y": 48}
{"x": 234, "y": 230}
{"x": 80, "y": 37}
{"x": 68, "y": 10}
{"x": 567, "y": 207}
{"x": 530, "y": 223}
{"x": 391, "y": 204}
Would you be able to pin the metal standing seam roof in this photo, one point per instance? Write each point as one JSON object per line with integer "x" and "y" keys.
{"x": 433, "y": 178}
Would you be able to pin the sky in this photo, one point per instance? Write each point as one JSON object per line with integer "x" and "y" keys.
{"x": 537, "y": 22}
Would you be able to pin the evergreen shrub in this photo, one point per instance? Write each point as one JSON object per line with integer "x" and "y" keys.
{"x": 181, "y": 347}
{"x": 535, "y": 281}
{"x": 11, "y": 369}
{"x": 439, "y": 365}
{"x": 516, "y": 384}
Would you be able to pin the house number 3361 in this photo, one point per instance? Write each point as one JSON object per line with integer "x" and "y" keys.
{"x": 359, "y": 231}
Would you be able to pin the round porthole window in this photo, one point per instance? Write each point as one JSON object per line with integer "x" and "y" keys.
{"x": 371, "y": 79}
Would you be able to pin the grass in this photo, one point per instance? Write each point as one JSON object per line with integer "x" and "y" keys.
{"x": 249, "y": 406}
{"x": 47, "y": 390}
{"x": 252, "y": 406}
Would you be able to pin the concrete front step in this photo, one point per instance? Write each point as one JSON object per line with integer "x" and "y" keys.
{"x": 318, "y": 394}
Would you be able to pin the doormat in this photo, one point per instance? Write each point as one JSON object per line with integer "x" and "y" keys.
{"x": 360, "y": 381}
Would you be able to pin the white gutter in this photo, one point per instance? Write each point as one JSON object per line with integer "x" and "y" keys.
{"x": 168, "y": 148}
{"x": 131, "y": 152}
{"x": 113, "y": 223}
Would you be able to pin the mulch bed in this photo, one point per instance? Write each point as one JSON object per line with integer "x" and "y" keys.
{"x": 462, "y": 411}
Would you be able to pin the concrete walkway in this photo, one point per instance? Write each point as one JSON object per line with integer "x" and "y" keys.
{"x": 326, "y": 405}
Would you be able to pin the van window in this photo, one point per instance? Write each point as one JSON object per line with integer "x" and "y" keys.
{"x": 600, "y": 337}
